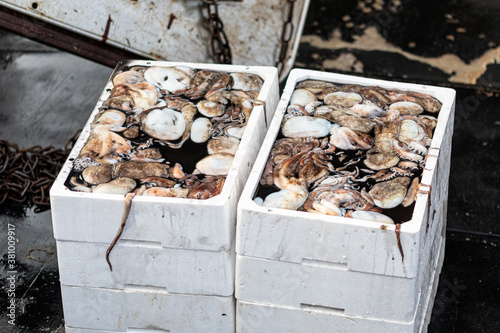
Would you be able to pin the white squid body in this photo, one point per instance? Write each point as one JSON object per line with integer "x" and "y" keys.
{"x": 306, "y": 126}
{"x": 200, "y": 130}
{"x": 164, "y": 124}
{"x": 286, "y": 199}
{"x": 172, "y": 79}
{"x": 346, "y": 138}
{"x": 215, "y": 164}
{"x": 371, "y": 216}
{"x": 302, "y": 97}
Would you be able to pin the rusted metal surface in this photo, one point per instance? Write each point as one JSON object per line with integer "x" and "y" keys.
{"x": 61, "y": 38}
{"x": 175, "y": 30}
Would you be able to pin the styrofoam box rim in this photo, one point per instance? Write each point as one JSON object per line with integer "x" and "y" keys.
{"x": 445, "y": 95}
{"x": 268, "y": 74}
{"x": 179, "y": 222}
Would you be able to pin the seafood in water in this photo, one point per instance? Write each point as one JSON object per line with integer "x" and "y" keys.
{"x": 391, "y": 193}
{"x": 166, "y": 192}
{"x": 200, "y": 130}
{"x": 120, "y": 185}
{"x": 371, "y": 216}
{"x": 382, "y": 155}
{"x": 292, "y": 185}
{"x": 150, "y": 112}
{"x": 205, "y": 83}
{"x": 343, "y": 99}
{"x": 428, "y": 102}
{"x": 177, "y": 172}
{"x": 206, "y": 188}
{"x": 319, "y": 88}
{"x": 112, "y": 120}
{"x": 349, "y": 151}
{"x": 138, "y": 170}
{"x": 146, "y": 155}
{"x": 412, "y": 193}
{"x": 345, "y": 117}
{"x": 223, "y": 144}
{"x": 128, "y": 77}
{"x": 316, "y": 86}
{"x": 210, "y": 109}
{"x": 235, "y": 131}
{"x": 173, "y": 80}
{"x": 188, "y": 111}
{"x": 407, "y": 108}
{"x": 104, "y": 146}
{"x": 215, "y": 164}
{"x": 302, "y": 97}
{"x": 285, "y": 148}
{"x": 232, "y": 118}
{"x": 126, "y": 97}
{"x": 164, "y": 124}
{"x": 246, "y": 81}
{"x": 157, "y": 182}
{"x": 97, "y": 174}
{"x": 347, "y": 139}
{"x": 286, "y": 199}
{"x": 306, "y": 126}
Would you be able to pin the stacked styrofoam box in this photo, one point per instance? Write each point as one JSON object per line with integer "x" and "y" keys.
{"x": 301, "y": 272}
{"x": 173, "y": 266}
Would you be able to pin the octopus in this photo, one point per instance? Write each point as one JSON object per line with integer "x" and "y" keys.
{"x": 137, "y": 138}
{"x": 350, "y": 151}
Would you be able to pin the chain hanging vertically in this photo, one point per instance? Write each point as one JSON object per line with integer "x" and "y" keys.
{"x": 286, "y": 35}
{"x": 219, "y": 45}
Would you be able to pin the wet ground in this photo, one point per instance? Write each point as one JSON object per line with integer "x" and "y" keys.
{"x": 46, "y": 95}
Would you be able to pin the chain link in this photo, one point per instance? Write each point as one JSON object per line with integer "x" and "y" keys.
{"x": 286, "y": 35}
{"x": 219, "y": 45}
{"x": 219, "y": 48}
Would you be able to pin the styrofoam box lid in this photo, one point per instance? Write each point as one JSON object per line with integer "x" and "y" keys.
{"x": 253, "y": 27}
{"x": 294, "y": 236}
{"x": 171, "y": 222}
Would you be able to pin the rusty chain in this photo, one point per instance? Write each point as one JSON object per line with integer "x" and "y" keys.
{"x": 219, "y": 45}
{"x": 26, "y": 175}
{"x": 219, "y": 48}
{"x": 286, "y": 35}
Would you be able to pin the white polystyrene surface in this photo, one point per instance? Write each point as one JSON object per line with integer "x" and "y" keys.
{"x": 261, "y": 317}
{"x": 172, "y": 222}
{"x": 253, "y": 27}
{"x": 363, "y": 246}
{"x": 138, "y": 264}
{"x": 366, "y": 295}
{"x": 139, "y": 310}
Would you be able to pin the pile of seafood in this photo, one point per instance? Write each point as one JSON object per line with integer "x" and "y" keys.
{"x": 351, "y": 151}
{"x": 166, "y": 131}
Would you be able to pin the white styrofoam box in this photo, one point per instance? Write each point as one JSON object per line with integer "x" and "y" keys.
{"x": 176, "y": 271}
{"x": 145, "y": 308}
{"x": 323, "y": 285}
{"x": 361, "y": 246}
{"x": 259, "y": 317}
{"x": 172, "y": 222}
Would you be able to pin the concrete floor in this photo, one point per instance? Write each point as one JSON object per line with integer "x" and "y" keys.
{"x": 46, "y": 95}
